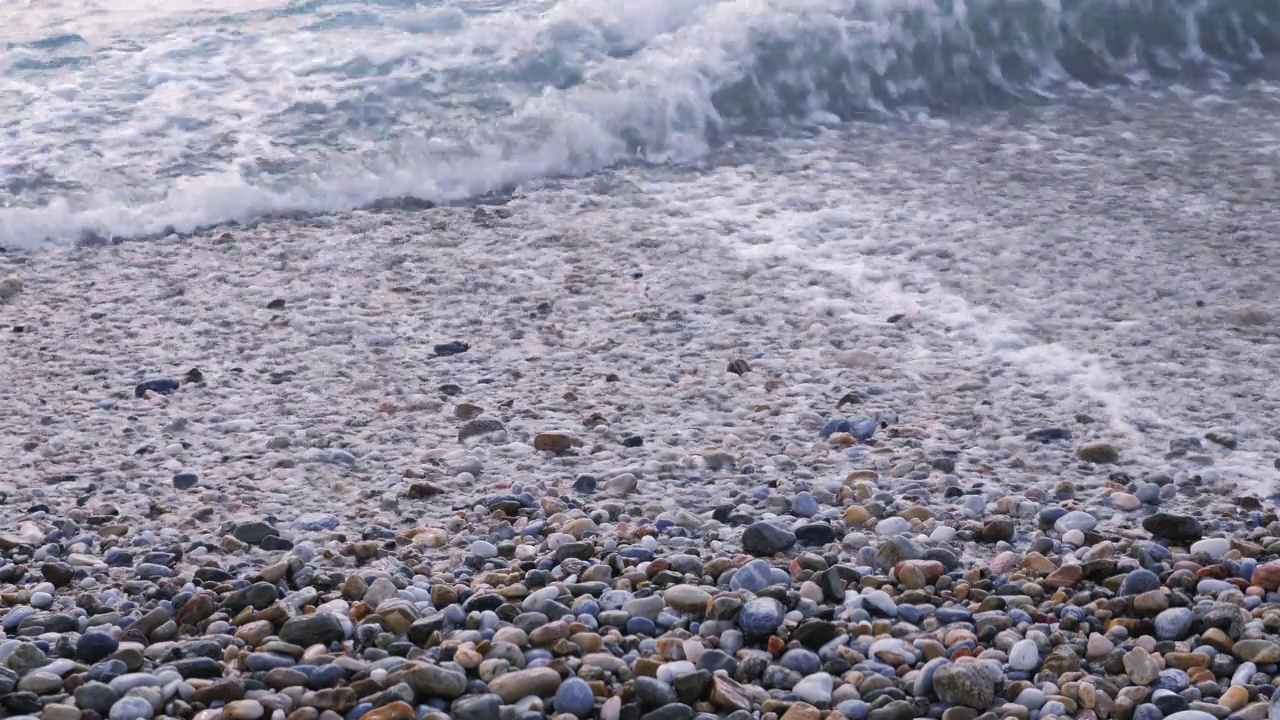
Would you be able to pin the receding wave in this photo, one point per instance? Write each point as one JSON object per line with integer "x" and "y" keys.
{"x": 215, "y": 122}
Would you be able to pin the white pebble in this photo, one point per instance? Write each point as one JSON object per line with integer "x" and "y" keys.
{"x": 1213, "y": 547}
{"x": 1024, "y": 655}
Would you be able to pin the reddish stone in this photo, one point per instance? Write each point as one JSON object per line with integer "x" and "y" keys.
{"x": 932, "y": 569}
{"x": 1213, "y": 571}
{"x": 1267, "y": 575}
{"x": 1064, "y": 576}
{"x": 398, "y": 710}
{"x": 776, "y": 645}
{"x": 554, "y": 442}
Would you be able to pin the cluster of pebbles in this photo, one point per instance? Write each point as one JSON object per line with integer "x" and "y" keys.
{"x": 463, "y": 464}
{"x": 854, "y": 604}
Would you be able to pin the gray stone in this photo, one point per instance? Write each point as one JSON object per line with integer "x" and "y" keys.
{"x": 1170, "y": 526}
{"x": 435, "y": 681}
{"x": 476, "y": 707}
{"x": 131, "y": 708}
{"x": 253, "y": 533}
{"x": 319, "y": 628}
{"x": 95, "y": 646}
{"x": 765, "y": 538}
{"x": 968, "y": 684}
{"x": 40, "y": 683}
{"x": 653, "y": 693}
{"x": 24, "y": 658}
{"x": 760, "y": 617}
{"x": 96, "y": 696}
{"x": 675, "y": 711}
{"x": 125, "y": 683}
{"x": 482, "y": 428}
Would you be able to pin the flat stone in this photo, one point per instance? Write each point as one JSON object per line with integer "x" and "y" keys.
{"x": 1261, "y": 652}
{"x": 243, "y": 710}
{"x": 476, "y": 707}
{"x": 541, "y": 681}
{"x": 398, "y": 710}
{"x": 553, "y": 442}
{"x": 1171, "y": 526}
{"x": 765, "y": 538}
{"x": 729, "y": 695}
{"x": 435, "y": 681}
{"x": 253, "y": 533}
{"x": 687, "y": 598}
{"x": 319, "y": 628}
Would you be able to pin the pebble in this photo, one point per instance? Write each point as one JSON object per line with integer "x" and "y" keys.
{"x": 601, "y": 570}
{"x": 10, "y": 286}
{"x": 131, "y": 708}
{"x": 574, "y": 697}
{"x": 1172, "y": 526}
{"x": 1024, "y": 655}
{"x": 765, "y": 538}
{"x": 1098, "y": 452}
{"x": 535, "y": 681}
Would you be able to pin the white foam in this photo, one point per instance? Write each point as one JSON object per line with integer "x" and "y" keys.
{"x": 181, "y": 114}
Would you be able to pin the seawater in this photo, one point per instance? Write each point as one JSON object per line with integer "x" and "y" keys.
{"x": 127, "y": 118}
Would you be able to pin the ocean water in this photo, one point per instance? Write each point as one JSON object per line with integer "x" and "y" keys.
{"x": 127, "y": 118}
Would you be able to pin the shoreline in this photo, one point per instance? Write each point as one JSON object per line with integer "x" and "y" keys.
{"x": 617, "y": 501}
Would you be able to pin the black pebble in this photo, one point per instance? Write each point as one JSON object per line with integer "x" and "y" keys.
{"x": 276, "y": 304}
{"x": 1049, "y": 434}
{"x": 584, "y": 485}
{"x": 275, "y": 542}
{"x": 451, "y": 348}
{"x": 633, "y": 441}
{"x": 163, "y": 386}
{"x": 194, "y": 376}
{"x": 185, "y": 481}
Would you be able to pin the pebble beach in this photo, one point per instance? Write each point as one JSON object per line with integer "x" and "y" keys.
{"x": 813, "y": 437}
